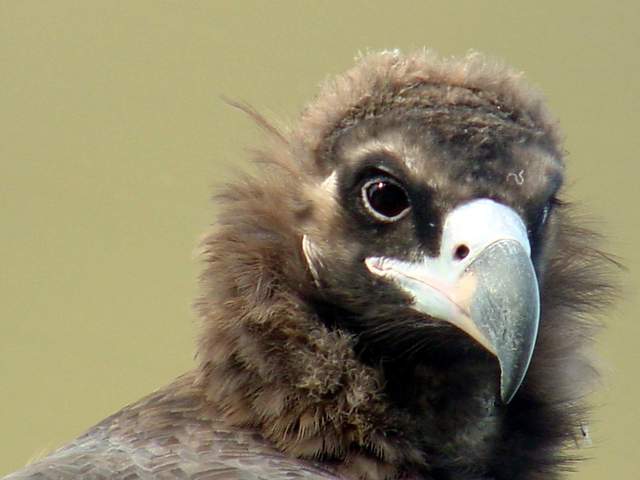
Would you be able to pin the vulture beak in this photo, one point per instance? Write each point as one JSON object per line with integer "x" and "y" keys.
{"x": 483, "y": 282}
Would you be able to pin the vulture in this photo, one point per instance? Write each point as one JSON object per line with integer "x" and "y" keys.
{"x": 397, "y": 292}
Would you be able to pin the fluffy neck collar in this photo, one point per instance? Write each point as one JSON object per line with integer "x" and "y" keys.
{"x": 270, "y": 362}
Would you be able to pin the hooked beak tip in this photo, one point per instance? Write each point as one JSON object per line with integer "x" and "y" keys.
{"x": 491, "y": 293}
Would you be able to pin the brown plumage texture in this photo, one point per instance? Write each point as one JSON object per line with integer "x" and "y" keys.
{"x": 328, "y": 377}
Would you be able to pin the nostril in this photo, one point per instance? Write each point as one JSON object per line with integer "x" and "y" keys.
{"x": 461, "y": 252}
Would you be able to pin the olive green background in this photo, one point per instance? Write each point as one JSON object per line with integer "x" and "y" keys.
{"x": 113, "y": 134}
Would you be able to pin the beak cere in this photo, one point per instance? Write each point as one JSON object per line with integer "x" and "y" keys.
{"x": 483, "y": 282}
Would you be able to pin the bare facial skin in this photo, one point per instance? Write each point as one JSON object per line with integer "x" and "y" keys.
{"x": 396, "y": 293}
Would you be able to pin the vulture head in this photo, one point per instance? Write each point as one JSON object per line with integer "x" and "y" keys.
{"x": 398, "y": 290}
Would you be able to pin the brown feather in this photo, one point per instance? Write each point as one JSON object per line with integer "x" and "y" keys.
{"x": 279, "y": 391}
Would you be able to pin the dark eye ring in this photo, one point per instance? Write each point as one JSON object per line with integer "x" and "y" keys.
{"x": 385, "y": 199}
{"x": 544, "y": 215}
{"x": 546, "y": 211}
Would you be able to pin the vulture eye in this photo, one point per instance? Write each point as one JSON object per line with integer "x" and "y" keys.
{"x": 385, "y": 199}
{"x": 544, "y": 215}
{"x": 541, "y": 218}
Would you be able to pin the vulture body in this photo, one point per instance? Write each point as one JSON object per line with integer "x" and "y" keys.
{"x": 399, "y": 293}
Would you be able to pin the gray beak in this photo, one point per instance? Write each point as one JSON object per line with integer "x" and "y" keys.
{"x": 483, "y": 282}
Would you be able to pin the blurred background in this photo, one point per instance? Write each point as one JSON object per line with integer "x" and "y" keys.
{"x": 113, "y": 135}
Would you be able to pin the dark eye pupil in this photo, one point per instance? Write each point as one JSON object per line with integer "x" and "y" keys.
{"x": 387, "y": 199}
